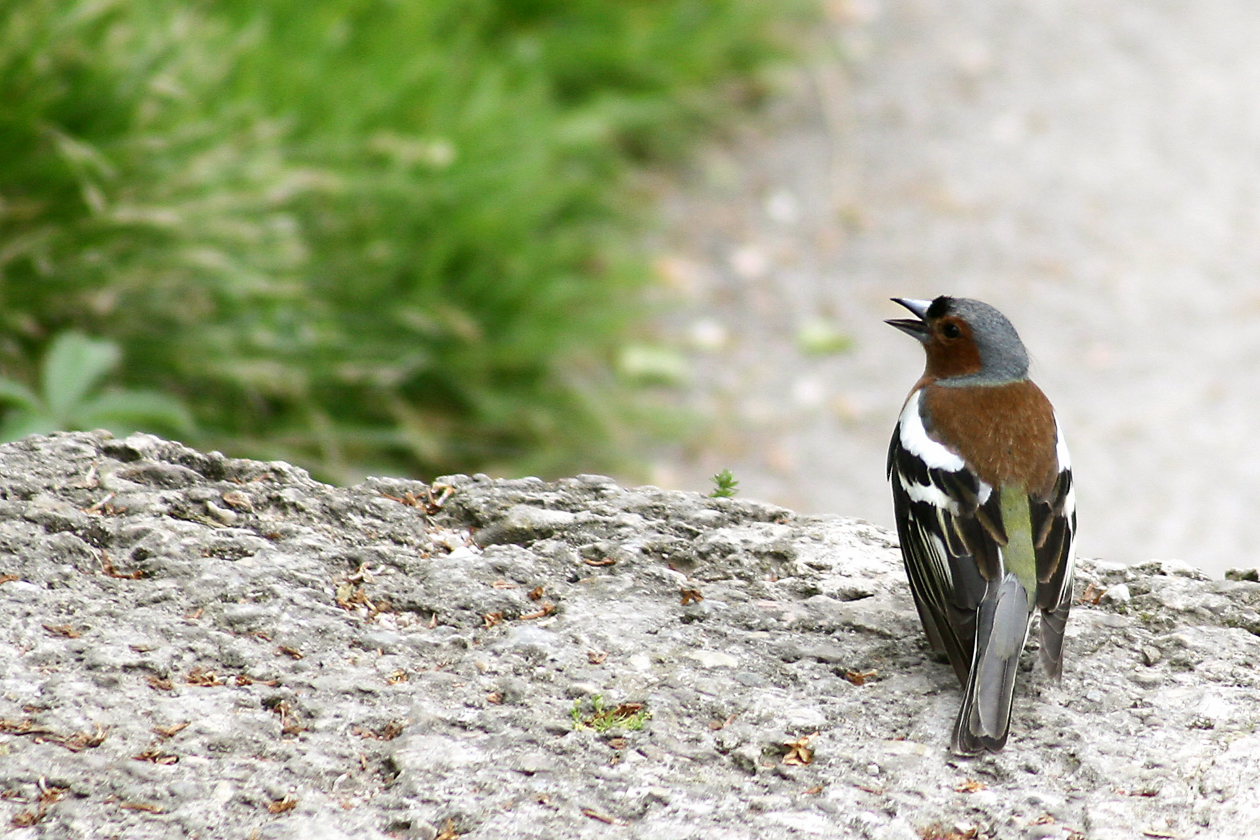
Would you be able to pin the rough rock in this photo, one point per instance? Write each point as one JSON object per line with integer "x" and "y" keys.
{"x": 194, "y": 645}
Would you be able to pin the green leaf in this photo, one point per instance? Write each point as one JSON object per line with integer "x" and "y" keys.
{"x": 15, "y": 393}
{"x": 75, "y": 364}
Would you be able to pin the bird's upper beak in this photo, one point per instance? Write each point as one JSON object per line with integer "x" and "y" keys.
{"x": 909, "y": 326}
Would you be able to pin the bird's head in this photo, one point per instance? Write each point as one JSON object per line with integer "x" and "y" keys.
{"x": 967, "y": 342}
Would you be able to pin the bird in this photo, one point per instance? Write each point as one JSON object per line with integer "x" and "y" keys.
{"x": 985, "y": 508}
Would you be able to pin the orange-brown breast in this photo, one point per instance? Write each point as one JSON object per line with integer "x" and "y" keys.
{"x": 1006, "y": 433}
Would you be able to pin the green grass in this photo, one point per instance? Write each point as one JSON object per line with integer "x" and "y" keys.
{"x": 364, "y": 236}
{"x": 629, "y": 717}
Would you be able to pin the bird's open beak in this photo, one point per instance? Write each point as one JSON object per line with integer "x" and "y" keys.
{"x": 918, "y": 328}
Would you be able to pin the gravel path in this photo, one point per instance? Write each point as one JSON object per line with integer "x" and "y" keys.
{"x": 1088, "y": 168}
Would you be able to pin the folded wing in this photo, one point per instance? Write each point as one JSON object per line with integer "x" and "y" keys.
{"x": 950, "y": 525}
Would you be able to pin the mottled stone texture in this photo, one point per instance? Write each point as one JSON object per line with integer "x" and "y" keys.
{"x": 193, "y": 645}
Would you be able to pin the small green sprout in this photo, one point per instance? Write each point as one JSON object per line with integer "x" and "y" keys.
{"x": 628, "y": 716}
{"x": 725, "y": 485}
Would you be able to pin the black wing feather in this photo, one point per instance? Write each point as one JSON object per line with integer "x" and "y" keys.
{"x": 945, "y": 551}
{"x": 1054, "y": 523}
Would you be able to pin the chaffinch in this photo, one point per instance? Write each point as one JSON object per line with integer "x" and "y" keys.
{"x": 986, "y": 512}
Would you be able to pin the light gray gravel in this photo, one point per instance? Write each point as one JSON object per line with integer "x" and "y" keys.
{"x": 1090, "y": 168}
{"x": 195, "y": 646}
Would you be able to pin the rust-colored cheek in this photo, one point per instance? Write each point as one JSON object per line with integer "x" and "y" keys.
{"x": 957, "y": 358}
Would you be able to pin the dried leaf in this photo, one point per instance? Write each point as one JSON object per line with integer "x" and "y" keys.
{"x": 1092, "y": 595}
{"x": 390, "y": 731}
{"x": 202, "y": 677}
{"x": 96, "y": 507}
{"x": 937, "y": 832}
{"x": 238, "y": 500}
{"x": 26, "y": 819}
{"x": 348, "y": 596}
{"x": 142, "y": 806}
{"x": 436, "y": 495}
{"x": 107, "y": 568}
{"x": 409, "y": 499}
{"x": 546, "y": 609}
{"x": 80, "y": 741}
{"x": 279, "y": 806}
{"x": 77, "y": 742}
{"x": 604, "y": 818}
{"x": 156, "y": 756}
{"x": 289, "y": 724}
{"x": 799, "y": 752}
{"x": 47, "y": 796}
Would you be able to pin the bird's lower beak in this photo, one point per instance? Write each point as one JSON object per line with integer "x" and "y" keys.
{"x": 918, "y": 328}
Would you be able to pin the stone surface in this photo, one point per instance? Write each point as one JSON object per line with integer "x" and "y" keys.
{"x": 574, "y": 659}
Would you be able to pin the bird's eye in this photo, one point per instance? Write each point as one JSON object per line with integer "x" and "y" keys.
{"x": 950, "y": 330}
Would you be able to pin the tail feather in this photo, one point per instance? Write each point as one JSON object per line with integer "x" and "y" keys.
{"x": 1053, "y": 624}
{"x": 984, "y": 719}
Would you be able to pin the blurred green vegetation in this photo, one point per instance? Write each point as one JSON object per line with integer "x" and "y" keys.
{"x": 360, "y": 235}
{"x": 72, "y": 372}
